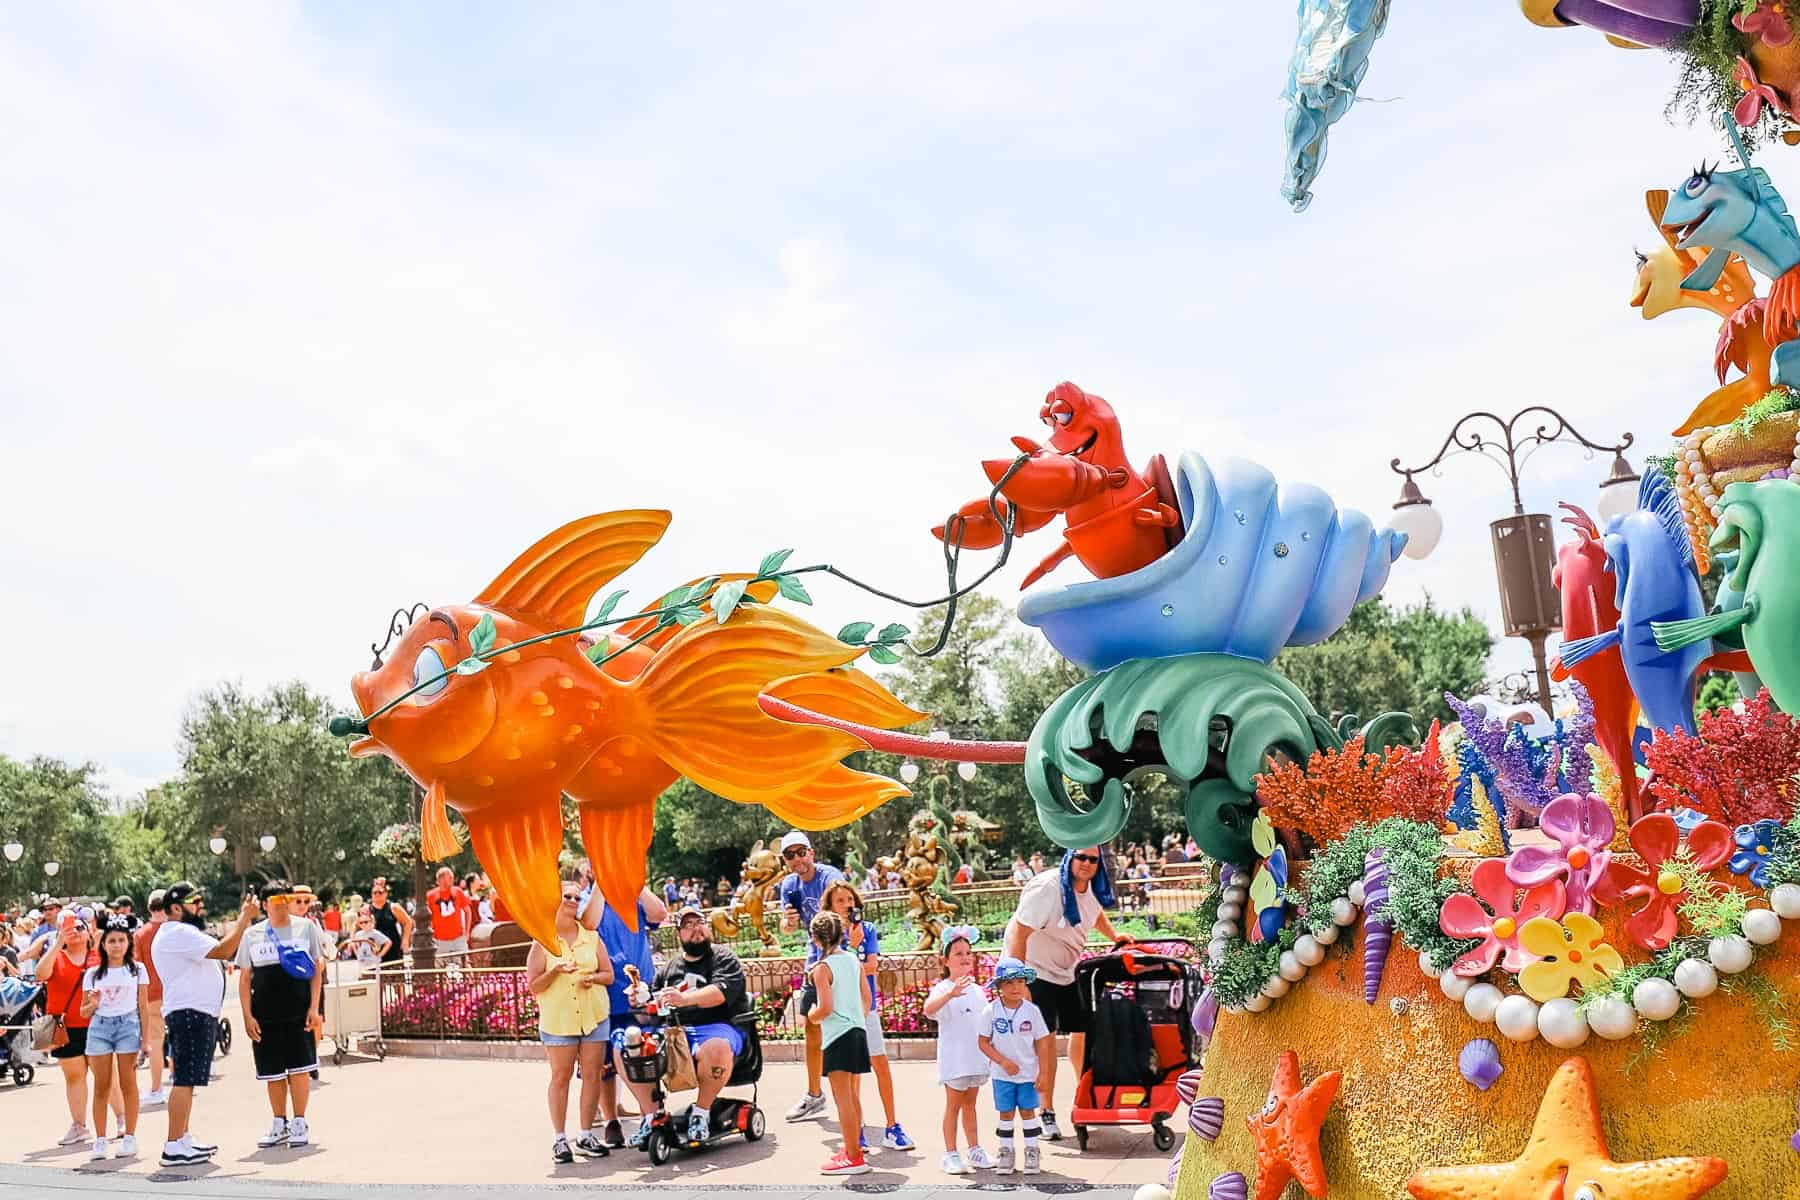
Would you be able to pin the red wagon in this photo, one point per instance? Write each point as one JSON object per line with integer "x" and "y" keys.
{"x": 1140, "y": 1040}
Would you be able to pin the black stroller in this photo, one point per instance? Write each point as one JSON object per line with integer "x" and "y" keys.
{"x": 647, "y": 1062}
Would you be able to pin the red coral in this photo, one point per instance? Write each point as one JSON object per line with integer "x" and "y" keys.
{"x": 1739, "y": 770}
{"x": 1414, "y": 783}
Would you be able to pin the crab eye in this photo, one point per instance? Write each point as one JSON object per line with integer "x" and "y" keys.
{"x": 1695, "y": 185}
{"x": 1063, "y": 416}
{"x": 429, "y": 666}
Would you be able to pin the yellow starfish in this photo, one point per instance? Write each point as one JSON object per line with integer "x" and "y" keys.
{"x": 1566, "y": 1158}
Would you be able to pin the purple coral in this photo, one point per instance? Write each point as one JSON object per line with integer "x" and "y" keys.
{"x": 1378, "y": 932}
{"x": 1521, "y": 786}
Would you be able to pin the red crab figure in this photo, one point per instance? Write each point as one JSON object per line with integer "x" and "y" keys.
{"x": 1116, "y": 519}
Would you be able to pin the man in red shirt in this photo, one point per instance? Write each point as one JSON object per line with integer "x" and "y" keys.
{"x": 452, "y": 915}
{"x": 153, "y": 1025}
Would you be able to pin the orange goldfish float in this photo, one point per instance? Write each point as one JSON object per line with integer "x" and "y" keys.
{"x": 494, "y": 708}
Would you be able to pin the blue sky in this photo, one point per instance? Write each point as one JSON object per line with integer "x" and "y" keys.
{"x": 317, "y": 310}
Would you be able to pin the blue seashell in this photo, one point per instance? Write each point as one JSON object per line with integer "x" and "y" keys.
{"x": 1479, "y": 1063}
{"x": 1229, "y": 1186}
{"x": 1206, "y": 1116}
{"x": 1229, "y": 585}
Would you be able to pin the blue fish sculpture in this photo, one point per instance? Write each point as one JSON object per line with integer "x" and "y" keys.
{"x": 1260, "y": 565}
{"x": 1649, "y": 554}
{"x": 1331, "y": 54}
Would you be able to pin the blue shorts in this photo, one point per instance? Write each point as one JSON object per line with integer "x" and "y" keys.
{"x": 596, "y": 1034}
{"x": 731, "y": 1035}
{"x": 115, "y": 1035}
{"x": 1010, "y": 1096}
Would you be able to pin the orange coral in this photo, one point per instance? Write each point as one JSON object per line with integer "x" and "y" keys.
{"x": 1339, "y": 789}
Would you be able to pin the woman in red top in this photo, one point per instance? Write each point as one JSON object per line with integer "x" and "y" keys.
{"x": 60, "y": 969}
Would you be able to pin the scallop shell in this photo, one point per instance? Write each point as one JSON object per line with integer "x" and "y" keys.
{"x": 1175, "y": 1166}
{"x": 1229, "y": 1186}
{"x": 1479, "y": 1063}
{"x": 1260, "y": 566}
{"x": 1206, "y": 1117}
{"x": 1187, "y": 1085}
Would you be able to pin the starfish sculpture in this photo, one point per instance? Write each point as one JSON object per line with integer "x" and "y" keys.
{"x": 1286, "y": 1131}
{"x": 1567, "y": 1156}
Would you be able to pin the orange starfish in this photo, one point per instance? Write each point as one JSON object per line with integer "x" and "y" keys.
{"x": 1287, "y": 1130}
{"x": 1567, "y": 1156}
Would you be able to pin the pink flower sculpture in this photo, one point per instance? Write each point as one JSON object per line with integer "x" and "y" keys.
{"x": 1657, "y": 839}
{"x": 1582, "y": 828}
{"x": 1756, "y": 94}
{"x": 1463, "y": 917}
{"x": 1767, "y": 21}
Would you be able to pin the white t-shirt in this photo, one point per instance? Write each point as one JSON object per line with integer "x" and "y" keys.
{"x": 189, "y": 978}
{"x": 959, "y": 1025}
{"x": 368, "y": 945}
{"x": 1014, "y": 1032}
{"x": 1054, "y": 946}
{"x": 118, "y": 990}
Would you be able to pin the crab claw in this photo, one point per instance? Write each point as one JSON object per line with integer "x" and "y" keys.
{"x": 1027, "y": 445}
{"x": 1051, "y": 482}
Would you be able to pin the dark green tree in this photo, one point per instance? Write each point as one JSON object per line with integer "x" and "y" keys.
{"x": 1392, "y": 660}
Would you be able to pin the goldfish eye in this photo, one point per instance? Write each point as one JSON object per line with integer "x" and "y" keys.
{"x": 1587, "y": 1191}
{"x": 428, "y": 666}
{"x": 1695, "y": 185}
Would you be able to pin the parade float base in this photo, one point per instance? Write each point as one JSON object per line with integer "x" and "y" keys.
{"x": 1709, "y": 1082}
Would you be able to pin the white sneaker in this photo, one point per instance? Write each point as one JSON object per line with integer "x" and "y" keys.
{"x": 1031, "y": 1159}
{"x": 277, "y": 1135}
{"x": 953, "y": 1164}
{"x": 77, "y": 1134}
{"x": 183, "y": 1153}
{"x": 808, "y": 1105}
{"x": 128, "y": 1146}
{"x": 195, "y": 1144}
{"x": 98, "y": 1152}
{"x": 978, "y": 1158}
{"x": 298, "y": 1133}
{"x": 1004, "y": 1162}
{"x": 1051, "y": 1132}
{"x": 159, "y": 1096}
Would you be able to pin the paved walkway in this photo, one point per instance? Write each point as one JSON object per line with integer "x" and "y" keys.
{"x": 481, "y": 1128}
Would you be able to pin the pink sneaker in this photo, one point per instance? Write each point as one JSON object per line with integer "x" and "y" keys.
{"x": 843, "y": 1164}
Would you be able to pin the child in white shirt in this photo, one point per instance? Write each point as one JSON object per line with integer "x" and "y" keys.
{"x": 1013, "y": 1036}
{"x": 957, "y": 1004}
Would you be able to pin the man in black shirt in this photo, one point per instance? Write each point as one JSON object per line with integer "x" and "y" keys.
{"x": 705, "y": 985}
{"x": 281, "y": 963}
{"x": 392, "y": 920}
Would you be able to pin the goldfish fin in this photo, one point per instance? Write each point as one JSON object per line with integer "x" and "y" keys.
{"x": 616, "y": 834}
{"x": 1704, "y": 276}
{"x": 1676, "y": 635}
{"x": 555, "y": 579}
{"x": 848, "y": 694}
{"x": 695, "y": 705}
{"x": 1721, "y": 406}
{"x": 437, "y": 837}
{"x": 518, "y": 843}
{"x": 1574, "y": 653}
{"x": 1558, "y": 671}
{"x": 837, "y": 797}
{"x": 764, "y": 592}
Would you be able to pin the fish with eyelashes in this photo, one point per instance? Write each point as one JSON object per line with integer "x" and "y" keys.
{"x": 503, "y": 743}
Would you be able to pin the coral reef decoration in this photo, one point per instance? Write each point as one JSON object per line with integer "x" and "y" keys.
{"x": 1657, "y": 840}
{"x": 1378, "y": 931}
{"x": 1498, "y": 925}
{"x": 1570, "y": 951}
{"x": 1582, "y": 828}
{"x": 1229, "y": 1186}
{"x": 1566, "y": 1156}
{"x": 1479, "y": 1063}
{"x": 1352, "y": 785}
{"x": 1286, "y": 1131}
{"x": 1755, "y": 850}
{"x": 1739, "y": 770}
{"x": 1206, "y": 1117}
{"x": 1525, "y": 772}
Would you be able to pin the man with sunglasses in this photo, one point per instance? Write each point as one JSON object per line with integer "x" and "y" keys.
{"x": 192, "y": 967}
{"x": 801, "y": 890}
{"x": 391, "y": 920}
{"x": 1048, "y": 932}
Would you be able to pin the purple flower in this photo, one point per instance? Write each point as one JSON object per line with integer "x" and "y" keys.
{"x": 1582, "y": 828}
{"x": 1755, "y": 847}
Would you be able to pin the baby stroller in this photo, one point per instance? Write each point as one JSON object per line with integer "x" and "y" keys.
{"x": 1139, "y": 1041}
{"x": 16, "y": 998}
{"x": 647, "y": 1059}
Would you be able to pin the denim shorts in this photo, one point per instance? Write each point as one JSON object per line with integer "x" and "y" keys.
{"x": 597, "y": 1034}
{"x": 1010, "y": 1096}
{"x": 115, "y": 1035}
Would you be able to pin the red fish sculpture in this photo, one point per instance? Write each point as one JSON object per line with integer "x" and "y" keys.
{"x": 504, "y": 743}
{"x": 1116, "y": 518}
{"x": 1589, "y": 607}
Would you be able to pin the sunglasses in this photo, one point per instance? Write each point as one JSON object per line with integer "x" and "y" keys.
{"x": 1086, "y": 858}
{"x": 794, "y": 852}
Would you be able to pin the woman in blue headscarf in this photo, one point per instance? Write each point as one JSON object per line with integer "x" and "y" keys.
{"x": 1048, "y": 933}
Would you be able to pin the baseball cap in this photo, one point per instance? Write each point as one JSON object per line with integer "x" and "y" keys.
{"x": 185, "y": 892}
{"x": 795, "y": 838}
{"x": 274, "y": 888}
{"x": 1012, "y": 968}
{"x": 121, "y": 900}
{"x": 688, "y": 910}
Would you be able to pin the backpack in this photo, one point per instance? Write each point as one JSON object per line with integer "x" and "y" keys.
{"x": 1126, "y": 1056}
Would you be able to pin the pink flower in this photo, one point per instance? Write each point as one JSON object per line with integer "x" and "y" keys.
{"x": 1756, "y": 94}
{"x": 1463, "y": 917}
{"x": 1657, "y": 839}
{"x": 1768, "y": 22}
{"x": 1582, "y": 828}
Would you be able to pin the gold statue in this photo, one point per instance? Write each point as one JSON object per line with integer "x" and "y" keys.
{"x": 923, "y": 861}
{"x": 761, "y": 874}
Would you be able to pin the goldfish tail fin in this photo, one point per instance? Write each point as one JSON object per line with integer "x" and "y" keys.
{"x": 764, "y": 592}
{"x": 836, "y": 797}
{"x": 617, "y": 840}
{"x": 437, "y": 837}
{"x": 518, "y": 847}
{"x": 695, "y": 705}
{"x": 1721, "y": 406}
{"x": 559, "y": 574}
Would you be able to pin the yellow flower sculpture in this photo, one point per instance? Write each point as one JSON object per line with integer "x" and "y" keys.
{"x": 1568, "y": 951}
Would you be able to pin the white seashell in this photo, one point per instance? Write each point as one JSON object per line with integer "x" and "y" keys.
{"x": 1342, "y": 911}
{"x": 1291, "y": 968}
{"x": 1516, "y": 1018}
{"x": 1308, "y": 950}
{"x": 1762, "y": 927}
{"x": 1612, "y": 1018}
{"x": 1656, "y": 999}
{"x": 1730, "y": 954}
{"x": 1454, "y": 986}
{"x": 1562, "y": 1024}
{"x": 1785, "y": 900}
{"x": 1695, "y": 977}
{"x": 1481, "y": 1000}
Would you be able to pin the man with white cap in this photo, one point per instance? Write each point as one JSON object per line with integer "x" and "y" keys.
{"x": 801, "y": 890}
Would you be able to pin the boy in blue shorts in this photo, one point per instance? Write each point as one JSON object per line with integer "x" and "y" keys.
{"x": 1014, "y": 1036}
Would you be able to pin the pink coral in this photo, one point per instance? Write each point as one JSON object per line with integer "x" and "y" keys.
{"x": 1497, "y": 925}
{"x": 1582, "y": 828}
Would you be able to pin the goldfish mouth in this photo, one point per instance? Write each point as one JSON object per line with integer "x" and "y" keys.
{"x": 1642, "y": 294}
{"x": 1684, "y": 233}
{"x": 363, "y": 747}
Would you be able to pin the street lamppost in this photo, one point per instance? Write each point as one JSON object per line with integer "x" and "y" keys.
{"x": 1524, "y": 543}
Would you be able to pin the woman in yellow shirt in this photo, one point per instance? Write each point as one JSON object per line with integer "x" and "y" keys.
{"x": 570, "y": 987}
